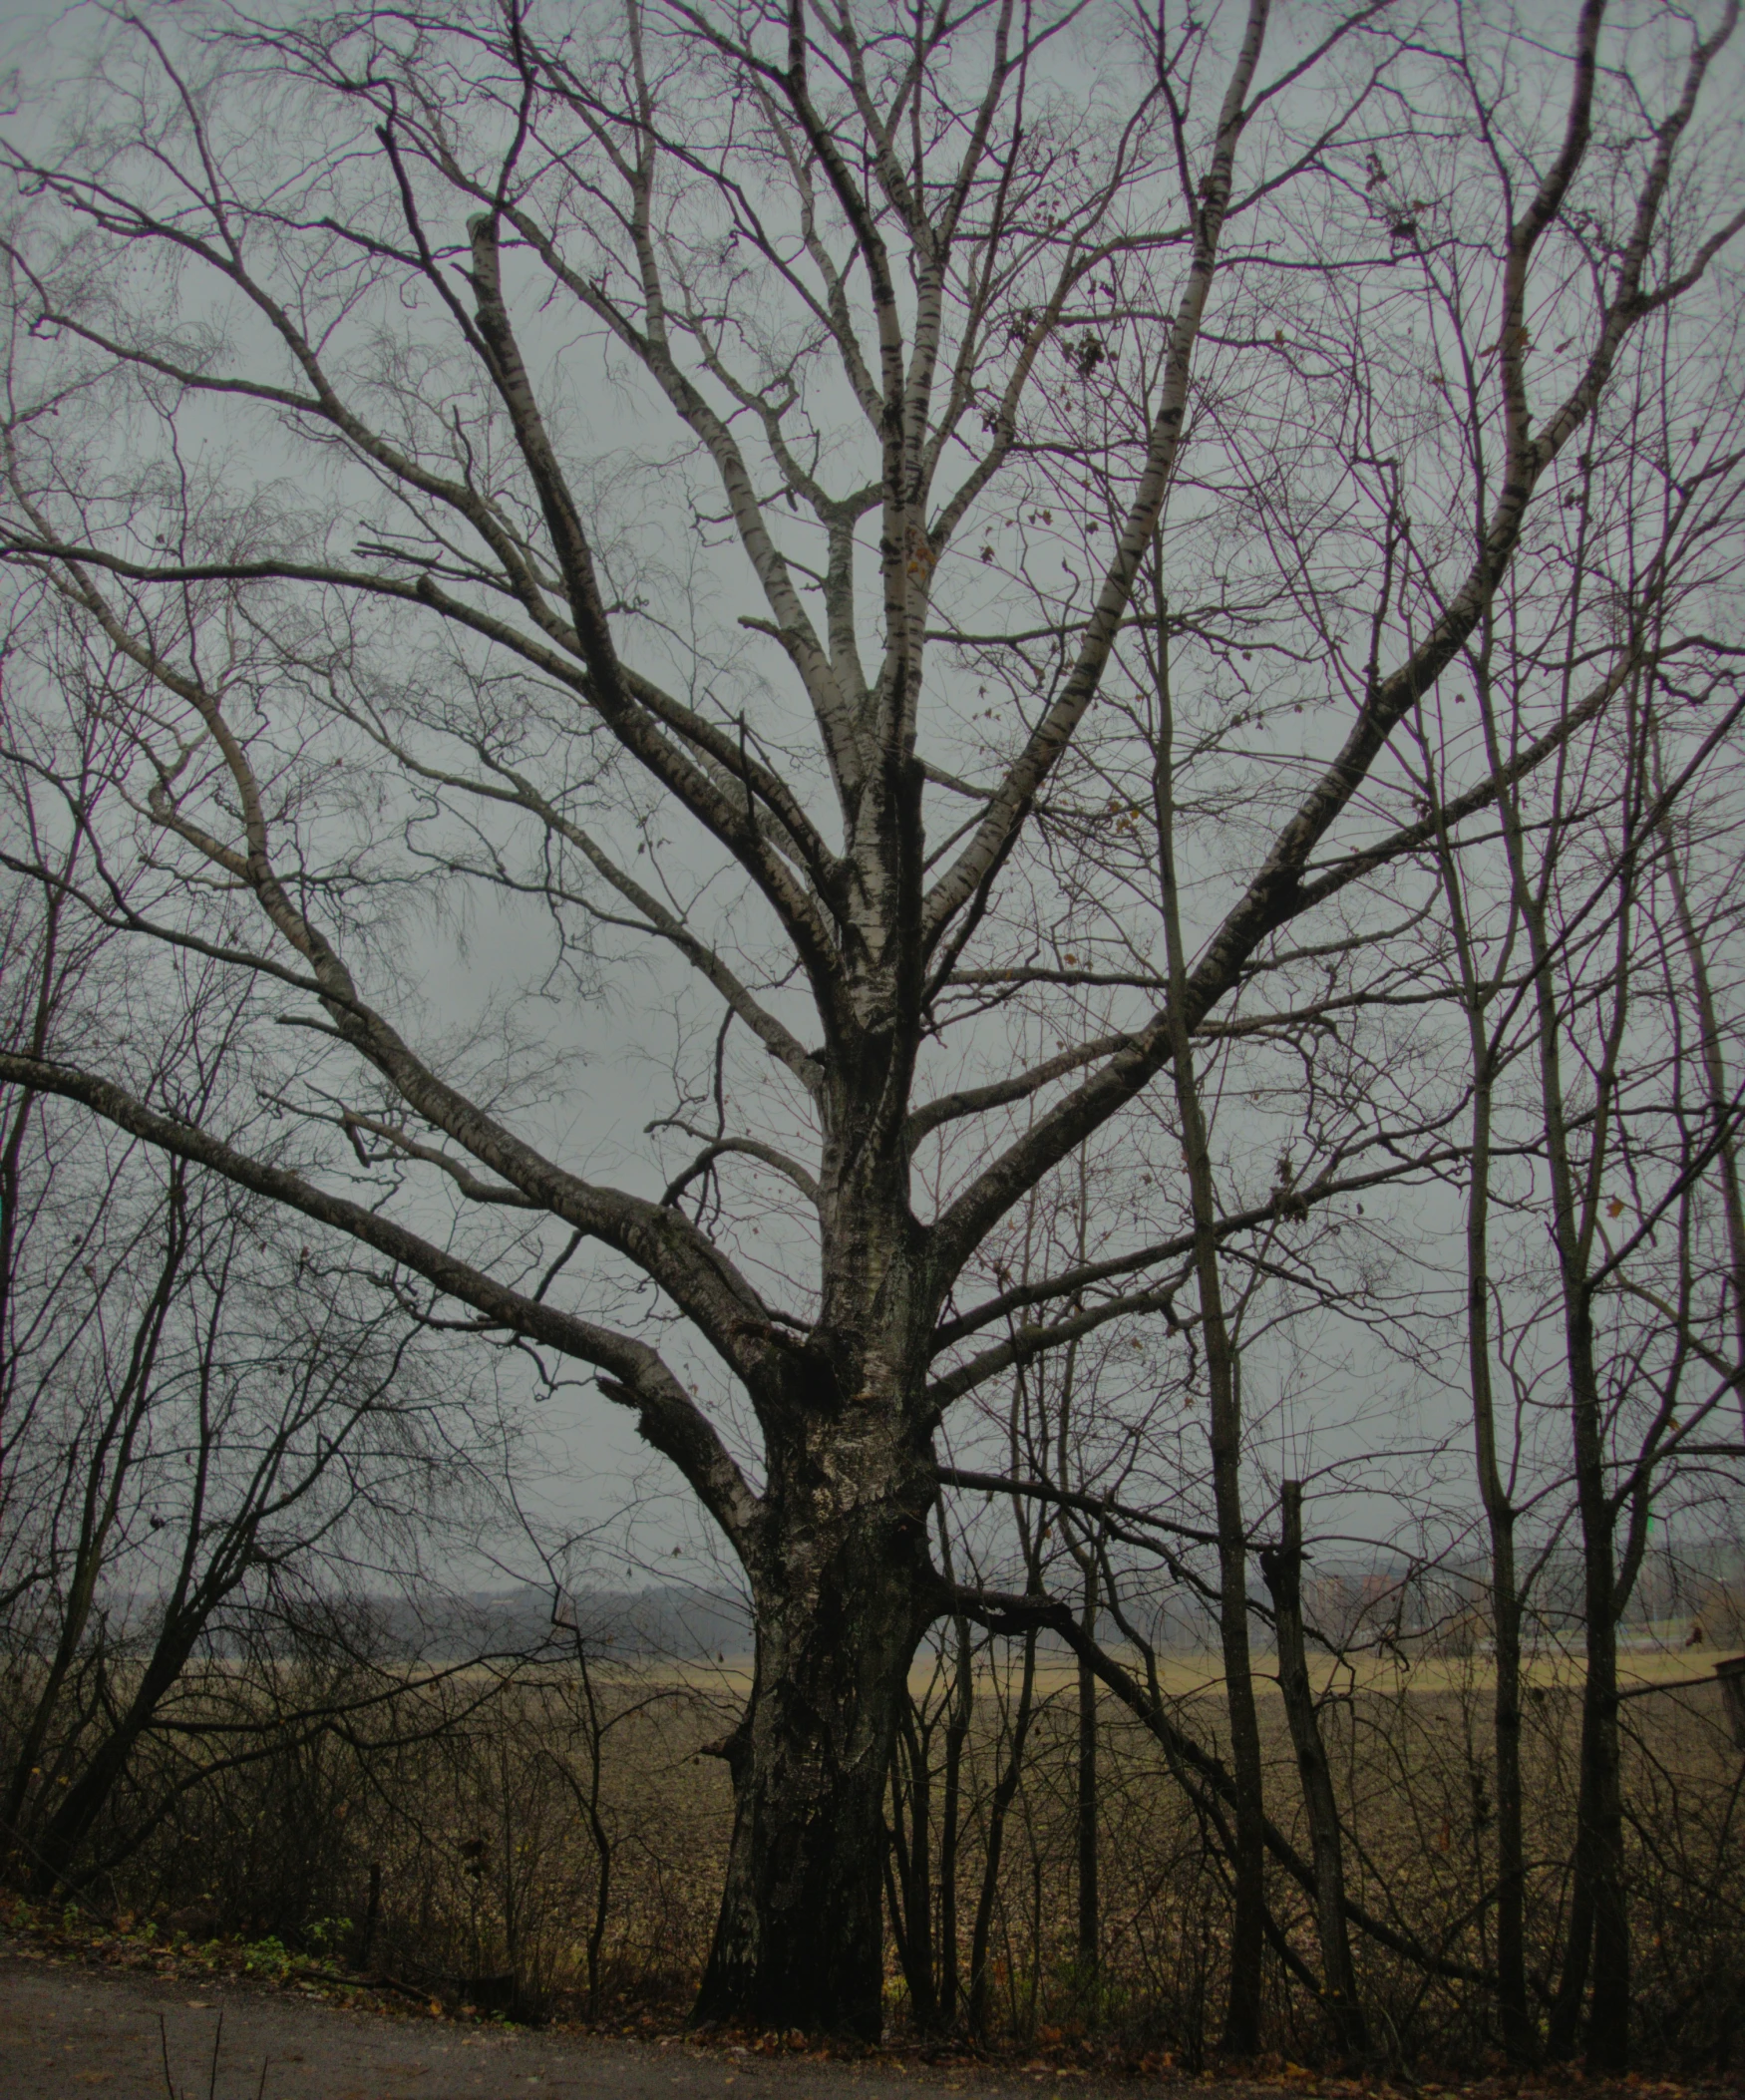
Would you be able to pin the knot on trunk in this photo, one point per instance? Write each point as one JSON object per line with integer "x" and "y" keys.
{"x": 733, "y": 1749}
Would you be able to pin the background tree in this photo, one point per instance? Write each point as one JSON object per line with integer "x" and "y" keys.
{"x": 207, "y": 1436}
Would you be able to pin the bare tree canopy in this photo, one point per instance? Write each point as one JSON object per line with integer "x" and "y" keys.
{"x": 945, "y": 548}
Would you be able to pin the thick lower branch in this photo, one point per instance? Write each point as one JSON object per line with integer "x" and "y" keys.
{"x": 669, "y": 1419}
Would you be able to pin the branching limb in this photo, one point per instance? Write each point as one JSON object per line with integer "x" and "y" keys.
{"x": 634, "y": 1373}
{"x": 1003, "y": 1612}
{"x": 720, "y": 1148}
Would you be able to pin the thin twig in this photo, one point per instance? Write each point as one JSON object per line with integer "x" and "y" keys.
{"x": 163, "y": 2047}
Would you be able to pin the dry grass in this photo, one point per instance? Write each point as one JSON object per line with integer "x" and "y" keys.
{"x": 488, "y": 1870}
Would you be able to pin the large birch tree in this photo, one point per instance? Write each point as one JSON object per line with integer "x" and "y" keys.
{"x": 400, "y": 402}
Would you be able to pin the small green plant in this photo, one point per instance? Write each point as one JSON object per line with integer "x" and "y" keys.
{"x": 267, "y": 1957}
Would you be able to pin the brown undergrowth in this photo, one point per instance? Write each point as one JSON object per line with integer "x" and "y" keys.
{"x": 525, "y": 1856}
